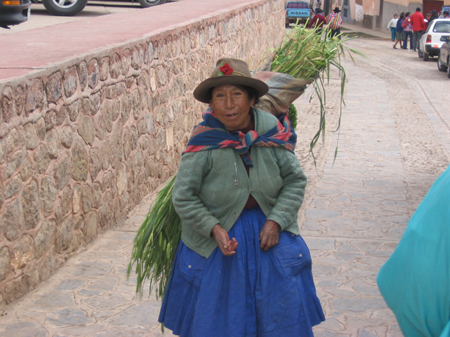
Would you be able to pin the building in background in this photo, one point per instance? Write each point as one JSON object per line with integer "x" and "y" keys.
{"x": 377, "y": 13}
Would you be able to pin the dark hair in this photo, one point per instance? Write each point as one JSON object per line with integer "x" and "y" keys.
{"x": 445, "y": 12}
{"x": 407, "y": 14}
{"x": 418, "y": 9}
{"x": 402, "y": 15}
{"x": 251, "y": 92}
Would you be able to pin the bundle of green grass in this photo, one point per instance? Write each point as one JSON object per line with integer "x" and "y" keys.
{"x": 304, "y": 54}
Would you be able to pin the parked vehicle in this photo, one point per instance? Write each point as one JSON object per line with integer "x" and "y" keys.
{"x": 431, "y": 41}
{"x": 297, "y": 11}
{"x": 14, "y": 12}
{"x": 443, "y": 62}
{"x": 73, "y": 7}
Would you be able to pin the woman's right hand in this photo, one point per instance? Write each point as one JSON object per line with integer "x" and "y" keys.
{"x": 227, "y": 246}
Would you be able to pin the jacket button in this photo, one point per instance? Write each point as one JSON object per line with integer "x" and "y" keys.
{"x": 298, "y": 255}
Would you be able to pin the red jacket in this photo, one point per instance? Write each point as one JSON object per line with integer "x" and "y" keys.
{"x": 418, "y": 22}
{"x": 318, "y": 20}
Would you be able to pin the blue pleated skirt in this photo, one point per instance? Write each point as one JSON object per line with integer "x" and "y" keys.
{"x": 253, "y": 293}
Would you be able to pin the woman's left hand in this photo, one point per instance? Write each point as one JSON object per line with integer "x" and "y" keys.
{"x": 269, "y": 235}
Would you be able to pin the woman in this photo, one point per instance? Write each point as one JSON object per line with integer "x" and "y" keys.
{"x": 334, "y": 20}
{"x": 393, "y": 26}
{"x": 399, "y": 31}
{"x": 407, "y": 32}
{"x": 241, "y": 268}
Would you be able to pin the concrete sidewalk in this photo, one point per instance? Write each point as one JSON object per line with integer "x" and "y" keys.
{"x": 353, "y": 221}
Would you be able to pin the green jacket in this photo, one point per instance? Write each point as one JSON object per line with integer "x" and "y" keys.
{"x": 212, "y": 187}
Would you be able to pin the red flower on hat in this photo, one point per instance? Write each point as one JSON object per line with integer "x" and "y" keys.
{"x": 225, "y": 69}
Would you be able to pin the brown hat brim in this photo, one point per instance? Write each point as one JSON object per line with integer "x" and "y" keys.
{"x": 201, "y": 92}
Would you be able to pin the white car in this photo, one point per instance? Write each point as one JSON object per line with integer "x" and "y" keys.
{"x": 431, "y": 41}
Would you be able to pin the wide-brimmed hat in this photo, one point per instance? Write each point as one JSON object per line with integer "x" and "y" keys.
{"x": 229, "y": 71}
{"x": 336, "y": 10}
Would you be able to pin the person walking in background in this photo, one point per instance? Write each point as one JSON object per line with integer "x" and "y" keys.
{"x": 317, "y": 5}
{"x": 334, "y": 20}
{"x": 399, "y": 31}
{"x": 419, "y": 26}
{"x": 434, "y": 15}
{"x": 446, "y": 15}
{"x": 393, "y": 26}
{"x": 407, "y": 32}
{"x": 318, "y": 21}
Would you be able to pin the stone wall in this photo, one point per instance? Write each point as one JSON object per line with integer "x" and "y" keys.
{"x": 82, "y": 142}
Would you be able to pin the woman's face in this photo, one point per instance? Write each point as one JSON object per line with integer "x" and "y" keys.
{"x": 232, "y": 106}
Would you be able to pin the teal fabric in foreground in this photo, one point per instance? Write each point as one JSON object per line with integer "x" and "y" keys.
{"x": 415, "y": 281}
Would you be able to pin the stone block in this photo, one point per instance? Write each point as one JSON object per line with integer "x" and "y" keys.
{"x": 137, "y": 104}
{"x": 76, "y": 199}
{"x": 50, "y": 119}
{"x": 64, "y": 203}
{"x": 41, "y": 158}
{"x": 126, "y": 106}
{"x": 61, "y": 114}
{"x": 53, "y": 87}
{"x": 74, "y": 110}
{"x": 106, "y": 114}
{"x": 66, "y": 136}
{"x": 13, "y": 187}
{"x": 5, "y": 263}
{"x": 104, "y": 68}
{"x": 100, "y": 126}
{"x": 121, "y": 179}
{"x": 115, "y": 66}
{"x": 45, "y": 237}
{"x": 90, "y": 226}
{"x": 93, "y": 73}
{"x": 62, "y": 172}
{"x": 20, "y": 100}
{"x": 48, "y": 193}
{"x": 64, "y": 235}
{"x": 8, "y": 104}
{"x": 106, "y": 212}
{"x": 22, "y": 252}
{"x": 28, "y": 168}
{"x": 95, "y": 162}
{"x": 126, "y": 61}
{"x": 15, "y": 289}
{"x": 116, "y": 145}
{"x": 53, "y": 143}
{"x": 35, "y": 97}
{"x": 86, "y": 128}
{"x": 80, "y": 162}
{"x": 70, "y": 81}
{"x": 105, "y": 154}
{"x": 96, "y": 99}
{"x": 115, "y": 109}
{"x": 96, "y": 195}
{"x": 83, "y": 74}
{"x": 12, "y": 141}
{"x": 31, "y": 205}
{"x": 86, "y": 198}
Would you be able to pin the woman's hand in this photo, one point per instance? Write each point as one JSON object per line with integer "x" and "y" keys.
{"x": 269, "y": 235}
{"x": 227, "y": 246}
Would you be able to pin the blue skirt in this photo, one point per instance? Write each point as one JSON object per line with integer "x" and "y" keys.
{"x": 253, "y": 293}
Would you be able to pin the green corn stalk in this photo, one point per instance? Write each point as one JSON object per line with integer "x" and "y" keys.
{"x": 156, "y": 243}
{"x": 306, "y": 54}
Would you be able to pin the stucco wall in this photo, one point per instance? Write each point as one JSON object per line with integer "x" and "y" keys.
{"x": 82, "y": 143}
